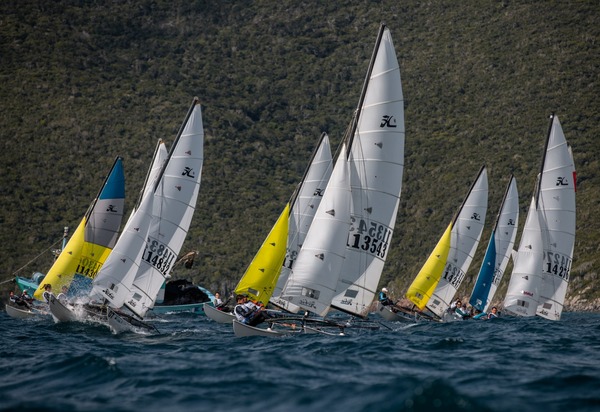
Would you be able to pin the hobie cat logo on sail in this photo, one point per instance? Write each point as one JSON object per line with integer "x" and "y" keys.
{"x": 388, "y": 121}
{"x": 562, "y": 181}
{"x": 189, "y": 172}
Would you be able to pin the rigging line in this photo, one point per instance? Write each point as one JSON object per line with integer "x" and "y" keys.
{"x": 35, "y": 258}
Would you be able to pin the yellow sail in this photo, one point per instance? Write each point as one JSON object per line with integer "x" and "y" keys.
{"x": 78, "y": 257}
{"x": 261, "y": 276}
{"x": 430, "y": 274}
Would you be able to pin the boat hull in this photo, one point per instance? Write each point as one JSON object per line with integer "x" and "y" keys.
{"x": 120, "y": 322}
{"x": 61, "y": 312}
{"x": 17, "y": 313}
{"x": 217, "y": 315}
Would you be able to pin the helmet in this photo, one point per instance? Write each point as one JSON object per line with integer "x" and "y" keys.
{"x": 384, "y": 290}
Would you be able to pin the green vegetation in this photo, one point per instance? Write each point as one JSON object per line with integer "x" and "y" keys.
{"x": 82, "y": 82}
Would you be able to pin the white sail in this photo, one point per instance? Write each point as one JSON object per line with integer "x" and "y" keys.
{"x": 312, "y": 281}
{"x": 376, "y": 157}
{"x": 173, "y": 207}
{"x": 464, "y": 240}
{"x": 310, "y": 193}
{"x": 523, "y": 293}
{"x": 158, "y": 160}
{"x": 116, "y": 276}
{"x": 556, "y": 203}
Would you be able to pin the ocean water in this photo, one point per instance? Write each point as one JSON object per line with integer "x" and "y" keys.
{"x": 506, "y": 364}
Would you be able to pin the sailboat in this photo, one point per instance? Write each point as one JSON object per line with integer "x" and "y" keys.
{"x": 435, "y": 285}
{"x": 128, "y": 283}
{"x": 278, "y": 252}
{"x": 89, "y": 246}
{"x": 73, "y": 308}
{"x": 144, "y": 255}
{"x": 341, "y": 259}
{"x": 92, "y": 241}
{"x": 499, "y": 249}
{"x": 541, "y": 273}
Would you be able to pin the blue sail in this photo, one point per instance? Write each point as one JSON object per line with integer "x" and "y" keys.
{"x": 485, "y": 278}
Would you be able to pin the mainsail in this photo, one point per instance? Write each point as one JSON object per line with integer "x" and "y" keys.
{"x": 258, "y": 282}
{"x": 557, "y": 204}
{"x": 499, "y": 249}
{"x": 464, "y": 239}
{"x": 304, "y": 205}
{"x": 92, "y": 241}
{"x": 376, "y": 161}
{"x": 313, "y": 279}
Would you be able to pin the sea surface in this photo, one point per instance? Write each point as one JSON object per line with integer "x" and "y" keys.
{"x": 194, "y": 364}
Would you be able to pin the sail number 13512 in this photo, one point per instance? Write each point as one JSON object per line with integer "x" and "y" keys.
{"x": 371, "y": 237}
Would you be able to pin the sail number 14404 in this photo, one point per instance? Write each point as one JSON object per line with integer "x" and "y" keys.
{"x": 371, "y": 237}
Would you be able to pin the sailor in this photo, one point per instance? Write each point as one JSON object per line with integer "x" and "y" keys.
{"x": 383, "y": 297}
{"x": 62, "y": 296}
{"x": 493, "y": 313}
{"x": 247, "y": 312}
{"x": 47, "y": 292}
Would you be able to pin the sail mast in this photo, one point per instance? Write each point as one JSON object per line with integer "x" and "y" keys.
{"x": 355, "y": 118}
{"x": 195, "y": 102}
{"x": 299, "y": 185}
{"x": 539, "y": 180}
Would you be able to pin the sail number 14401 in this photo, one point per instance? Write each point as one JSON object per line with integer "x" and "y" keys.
{"x": 369, "y": 236}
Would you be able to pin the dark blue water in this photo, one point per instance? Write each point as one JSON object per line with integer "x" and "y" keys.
{"x": 198, "y": 365}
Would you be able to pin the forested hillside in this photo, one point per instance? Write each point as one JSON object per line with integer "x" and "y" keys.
{"x": 82, "y": 82}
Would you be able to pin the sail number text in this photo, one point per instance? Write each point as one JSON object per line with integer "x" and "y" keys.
{"x": 369, "y": 236}
{"x": 158, "y": 255}
{"x": 88, "y": 267}
{"x": 557, "y": 265}
{"x": 453, "y": 275}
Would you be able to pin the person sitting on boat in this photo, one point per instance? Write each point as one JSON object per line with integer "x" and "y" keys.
{"x": 12, "y": 298}
{"x": 384, "y": 299}
{"x": 218, "y": 300}
{"x": 47, "y": 292}
{"x": 461, "y": 310}
{"x": 247, "y": 312}
{"x": 24, "y": 299}
{"x": 62, "y": 296}
{"x": 493, "y": 314}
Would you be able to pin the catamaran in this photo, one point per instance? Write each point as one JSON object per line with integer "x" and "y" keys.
{"x": 541, "y": 273}
{"x": 434, "y": 287}
{"x": 86, "y": 251}
{"x": 341, "y": 259}
{"x": 278, "y": 252}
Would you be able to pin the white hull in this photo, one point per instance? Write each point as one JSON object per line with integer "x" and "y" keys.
{"x": 17, "y": 313}
{"x": 120, "y": 323}
{"x": 218, "y": 315}
{"x": 388, "y": 314}
{"x": 290, "y": 327}
{"x": 241, "y": 330}
{"x": 61, "y": 312}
